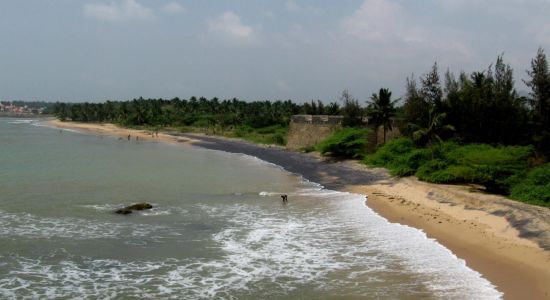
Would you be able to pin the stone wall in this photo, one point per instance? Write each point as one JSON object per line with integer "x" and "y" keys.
{"x": 308, "y": 130}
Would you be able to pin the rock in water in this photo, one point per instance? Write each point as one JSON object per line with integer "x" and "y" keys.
{"x": 129, "y": 209}
{"x": 140, "y": 206}
{"x": 123, "y": 211}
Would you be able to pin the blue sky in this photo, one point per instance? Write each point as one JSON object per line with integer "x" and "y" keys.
{"x": 94, "y": 50}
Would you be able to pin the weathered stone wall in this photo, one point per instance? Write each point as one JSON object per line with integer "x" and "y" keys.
{"x": 308, "y": 130}
{"x": 390, "y": 134}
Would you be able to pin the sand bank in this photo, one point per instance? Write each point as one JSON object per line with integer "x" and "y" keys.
{"x": 113, "y": 130}
{"x": 506, "y": 241}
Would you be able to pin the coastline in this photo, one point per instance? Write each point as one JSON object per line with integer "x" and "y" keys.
{"x": 492, "y": 234}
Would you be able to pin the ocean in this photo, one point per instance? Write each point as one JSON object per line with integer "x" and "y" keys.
{"x": 218, "y": 229}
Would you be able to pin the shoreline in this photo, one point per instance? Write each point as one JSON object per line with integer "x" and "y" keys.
{"x": 491, "y": 233}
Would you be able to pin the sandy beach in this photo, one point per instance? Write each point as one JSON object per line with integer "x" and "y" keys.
{"x": 506, "y": 241}
{"x": 113, "y": 130}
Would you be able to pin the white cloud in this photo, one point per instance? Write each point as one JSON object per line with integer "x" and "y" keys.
{"x": 381, "y": 20}
{"x": 230, "y": 26}
{"x": 173, "y": 8}
{"x": 290, "y": 5}
{"x": 282, "y": 85}
{"x": 118, "y": 11}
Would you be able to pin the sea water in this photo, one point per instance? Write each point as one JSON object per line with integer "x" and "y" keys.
{"x": 218, "y": 229}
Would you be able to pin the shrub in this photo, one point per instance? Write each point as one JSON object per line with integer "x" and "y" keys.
{"x": 347, "y": 142}
{"x": 389, "y": 152}
{"x": 400, "y": 157}
{"x": 241, "y": 131}
{"x": 493, "y": 167}
{"x": 308, "y": 149}
{"x": 534, "y": 187}
{"x": 279, "y": 138}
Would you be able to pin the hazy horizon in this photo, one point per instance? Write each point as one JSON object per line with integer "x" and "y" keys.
{"x": 101, "y": 50}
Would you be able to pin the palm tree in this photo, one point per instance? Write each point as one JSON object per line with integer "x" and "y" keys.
{"x": 431, "y": 134}
{"x": 381, "y": 109}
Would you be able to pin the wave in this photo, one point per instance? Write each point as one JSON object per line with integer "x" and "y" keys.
{"x": 157, "y": 210}
{"x": 32, "y": 226}
{"x": 316, "y": 243}
{"x": 22, "y": 121}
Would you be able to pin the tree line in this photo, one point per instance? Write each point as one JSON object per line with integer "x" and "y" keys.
{"x": 192, "y": 112}
{"x": 479, "y": 107}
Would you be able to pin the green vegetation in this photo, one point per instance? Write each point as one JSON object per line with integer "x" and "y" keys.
{"x": 200, "y": 113}
{"x": 275, "y": 134}
{"x": 534, "y": 188}
{"x": 381, "y": 109}
{"x": 495, "y": 167}
{"x": 476, "y": 129}
{"x": 347, "y": 142}
{"x": 399, "y": 156}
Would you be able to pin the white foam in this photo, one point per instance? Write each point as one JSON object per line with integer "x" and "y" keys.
{"x": 32, "y": 226}
{"x": 157, "y": 209}
{"x": 55, "y": 127}
{"x": 448, "y": 276}
{"x": 272, "y": 252}
{"x": 22, "y": 121}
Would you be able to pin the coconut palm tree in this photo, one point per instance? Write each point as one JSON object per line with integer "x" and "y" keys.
{"x": 431, "y": 134}
{"x": 381, "y": 109}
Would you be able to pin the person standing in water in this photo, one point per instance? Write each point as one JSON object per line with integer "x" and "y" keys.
{"x": 285, "y": 199}
{"x": 129, "y": 137}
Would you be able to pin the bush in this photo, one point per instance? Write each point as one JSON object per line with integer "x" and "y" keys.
{"x": 400, "y": 157}
{"x": 534, "y": 188}
{"x": 347, "y": 142}
{"x": 493, "y": 167}
{"x": 386, "y": 154}
{"x": 266, "y": 135}
{"x": 497, "y": 168}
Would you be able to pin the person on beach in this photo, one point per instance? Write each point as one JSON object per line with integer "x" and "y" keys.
{"x": 285, "y": 199}
{"x": 366, "y": 197}
{"x": 129, "y": 137}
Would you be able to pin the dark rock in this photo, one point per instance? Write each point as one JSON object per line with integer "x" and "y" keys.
{"x": 123, "y": 211}
{"x": 140, "y": 206}
{"x": 129, "y": 209}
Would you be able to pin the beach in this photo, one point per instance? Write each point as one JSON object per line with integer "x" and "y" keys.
{"x": 506, "y": 241}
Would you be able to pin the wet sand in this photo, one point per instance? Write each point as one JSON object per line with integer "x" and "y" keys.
{"x": 506, "y": 241}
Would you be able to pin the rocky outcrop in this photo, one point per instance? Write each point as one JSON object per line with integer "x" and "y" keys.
{"x": 129, "y": 209}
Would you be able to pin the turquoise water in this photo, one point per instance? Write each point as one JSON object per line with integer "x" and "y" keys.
{"x": 218, "y": 229}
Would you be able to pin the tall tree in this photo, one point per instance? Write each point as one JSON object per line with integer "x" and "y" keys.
{"x": 416, "y": 109}
{"x": 539, "y": 82}
{"x": 484, "y": 106}
{"x": 431, "y": 88}
{"x": 433, "y": 132}
{"x": 351, "y": 110}
{"x": 381, "y": 109}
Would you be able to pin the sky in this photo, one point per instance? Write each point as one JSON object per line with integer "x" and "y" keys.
{"x": 96, "y": 50}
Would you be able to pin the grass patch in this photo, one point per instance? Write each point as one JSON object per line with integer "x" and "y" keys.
{"x": 347, "y": 142}
{"x": 496, "y": 168}
{"x": 534, "y": 188}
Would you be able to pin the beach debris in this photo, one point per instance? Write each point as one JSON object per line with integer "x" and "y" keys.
{"x": 285, "y": 198}
{"x": 129, "y": 209}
